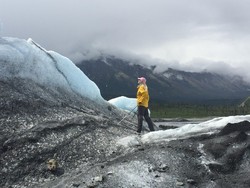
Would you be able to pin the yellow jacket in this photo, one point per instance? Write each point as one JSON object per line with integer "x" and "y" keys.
{"x": 142, "y": 95}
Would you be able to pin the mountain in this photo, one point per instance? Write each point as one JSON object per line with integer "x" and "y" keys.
{"x": 117, "y": 77}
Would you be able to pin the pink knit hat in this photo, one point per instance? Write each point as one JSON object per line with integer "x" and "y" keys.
{"x": 142, "y": 79}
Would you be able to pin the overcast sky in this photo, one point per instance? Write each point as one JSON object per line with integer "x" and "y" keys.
{"x": 192, "y": 35}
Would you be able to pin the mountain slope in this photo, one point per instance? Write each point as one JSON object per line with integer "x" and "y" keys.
{"x": 116, "y": 77}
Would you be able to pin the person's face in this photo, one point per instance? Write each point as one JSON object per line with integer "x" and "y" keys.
{"x": 139, "y": 81}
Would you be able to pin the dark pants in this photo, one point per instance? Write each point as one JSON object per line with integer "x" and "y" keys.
{"x": 143, "y": 112}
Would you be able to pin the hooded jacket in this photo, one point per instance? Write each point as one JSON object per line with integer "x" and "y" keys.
{"x": 142, "y": 95}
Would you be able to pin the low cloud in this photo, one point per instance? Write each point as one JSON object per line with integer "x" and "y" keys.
{"x": 189, "y": 35}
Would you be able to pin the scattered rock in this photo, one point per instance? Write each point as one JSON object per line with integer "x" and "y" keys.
{"x": 109, "y": 173}
{"x": 165, "y": 127}
{"x": 98, "y": 179}
{"x": 157, "y": 176}
{"x": 141, "y": 149}
{"x": 52, "y": 165}
{"x": 232, "y": 127}
{"x": 76, "y": 184}
{"x": 178, "y": 183}
{"x": 191, "y": 181}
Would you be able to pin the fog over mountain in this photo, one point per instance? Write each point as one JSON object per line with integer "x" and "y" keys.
{"x": 118, "y": 77}
{"x": 193, "y": 35}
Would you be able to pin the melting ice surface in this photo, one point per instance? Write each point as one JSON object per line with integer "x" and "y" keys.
{"x": 186, "y": 131}
{"x": 124, "y": 103}
{"x": 26, "y": 59}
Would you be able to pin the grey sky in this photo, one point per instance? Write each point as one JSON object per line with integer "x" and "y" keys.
{"x": 192, "y": 35}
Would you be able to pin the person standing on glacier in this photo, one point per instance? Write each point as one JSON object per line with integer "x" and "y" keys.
{"x": 142, "y": 98}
